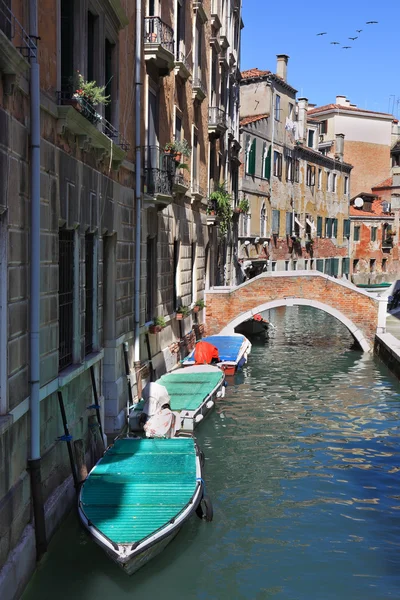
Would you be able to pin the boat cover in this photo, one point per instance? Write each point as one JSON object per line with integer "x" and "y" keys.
{"x": 155, "y": 396}
{"x": 188, "y": 390}
{"x": 229, "y": 347}
{"x": 139, "y": 486}
{"x": 205, "y": 353}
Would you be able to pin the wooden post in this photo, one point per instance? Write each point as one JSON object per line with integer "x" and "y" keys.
{"x": 79, "y": 447}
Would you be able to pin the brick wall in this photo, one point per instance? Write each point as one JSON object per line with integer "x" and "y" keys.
{"x": 371, "y": 165}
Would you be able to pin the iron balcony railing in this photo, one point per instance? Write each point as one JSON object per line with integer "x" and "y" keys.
{"x": 198, "y": 84}
{"x": 197, "y": 189}
{"x": 158, "y": 32}
{"x": 14, "y": 31}
{"x": 87, "y": 110}
{"x": 217, "y": 117}
{"x": 182, "y": 58}
{"x": 159, "y": 171}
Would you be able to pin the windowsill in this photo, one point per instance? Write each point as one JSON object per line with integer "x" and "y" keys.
{"x": 67, "y": 375}
{"x": 88, "y": 135}
{"x": 12, "y": 63}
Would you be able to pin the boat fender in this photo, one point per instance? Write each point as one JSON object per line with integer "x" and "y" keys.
{"x": 210, "y": 404}
{"x": 199, "y": 418}
{"x": 205, "y": 509}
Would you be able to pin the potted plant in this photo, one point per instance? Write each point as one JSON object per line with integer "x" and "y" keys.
{"x": 89, "y": 95}
{"x": 182, "y": 312}
{"x": 178, "y": 148}
{"x": 158, "y": 324}
{"x": 244, "y": 205}
{"x": 199, "y": 305}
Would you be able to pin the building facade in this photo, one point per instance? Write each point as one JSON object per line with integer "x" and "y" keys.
{"x": 297, "y": 198}
{"x": 368, "y": 140}
{"x": 123, "y": 232}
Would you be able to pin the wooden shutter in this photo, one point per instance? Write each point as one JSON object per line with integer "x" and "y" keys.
{"x": 275, "y": 221}
{"x": 335, "y": 267}
{"x": 346, "y": 265}
{"x": 289, "y": 223}
{"x": 346, "y": 228}
{"x": 335, "y": 228}
{"x": 319, "y": 227}
{"x": 320, "y": 264}
{"x": 267, "y": 165}
{"x": 252, "y": 157}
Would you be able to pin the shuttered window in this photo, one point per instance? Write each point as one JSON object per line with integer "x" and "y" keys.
{"x": 328, "y": 266}
{"x": 267, "y": 164}
{"x": 346, "y": 228}
{"x": 345, "y": 266}
{"x": 252, "y": 158}
{"x": 334, "y": 267}
{"x": 357, "y": 233}
{"x": 335, "y": 227}
{"x": 275, "y": 221}
{"x": 319, "y": 227}
{"x": 289, "y": 223}
{"x": 328, "y": 227}
{"x": 320, "y": 264}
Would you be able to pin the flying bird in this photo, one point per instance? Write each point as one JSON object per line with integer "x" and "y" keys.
{"x": 345, "y": 47}
{"x": 322, "y": 33}
{"x": 371, "y": 22}
{"x": 354, "y": 38}
{"x": 359, "y": 30}
{"x": 336, "y": 43}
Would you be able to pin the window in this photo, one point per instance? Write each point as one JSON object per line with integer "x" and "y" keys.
{"x": 328, "y": 266}
{"x": 277, "y": 164}
{"x": 306, "y": 265}
{"x": 319, "y": 179}
{"x": 180, "y": 34}
{"x": 90, "y": 50}
{"x": 175, "y": 275}
{"x": 310, "y": 178}
{"x": 320, "y": 264}
{"x": 328, "y": 181}
{"x": 384, "y": 265}
{"x": 267, "y": 163}
{"x": 195, "y": 158}
{"x": 109, "y": 80}
{"x": 328, "y": 227}
{"x": 198, "y": 47}
{"x": 151, "y": 277}
{"x": 311, "y": 264}
{"x": 251, "y": 162}
{"x": 297, "y": 170}
{"x": 276, "y": 221}
{"x": 290, "y": 111}
{"x": 355, "y": 265}
{"x": 346, "y": 185}
{"x": 356, "y": 233}
{"x": 345, "y": 266}
{"x": 263, "y": 221}
{"x": 65, "y": 298}
{"x": 295, "y": 265}
{"x": 193, "y": 272}
{"x": 273, "y": 265}
{"x": 372, "y": 265}
{"x": 109, "y": 286}
{"x": 245, "y": 224}
{"x": 334, "y": 227}
{"x": 289, "y": 169}
{"x": 289, "y": 223}
{"x": 287, "y": 262}
{"x": 334, "y": 177}
{"x": 319, "y": 227}
{"x": 89, "y": 291}
{"x": 310, "y": 138}
{"x": 67, "y": 44}
{"x": 178, "y": 127}
{"x": 373, "y": 234}
{"x": 346, "y": 228}
{"x": 323, "y": 127}
{"x": 277, "y": 107}
{"x": 334, "y": 267}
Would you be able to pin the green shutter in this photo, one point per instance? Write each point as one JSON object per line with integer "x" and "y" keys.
{"x": 328, "y": 266}
{"x": 275, "y": 221}
{"x": 320, "y": 264}
{"x": 357, "y": 233}
{"x": 328, "y": 227}
{"x": 319, "y": 227}
{"x": 252, "y": 157}
{"x": 346, "y": 265}
{"x": 346, "y": 228}
{"x": 335, "y": 266}
{"x": 335, "y": 228}
{"x": 267, "y": 166}
{"x": 289, "y": 223}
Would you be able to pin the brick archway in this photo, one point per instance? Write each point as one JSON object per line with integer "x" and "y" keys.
{"x": 363, "y": 314}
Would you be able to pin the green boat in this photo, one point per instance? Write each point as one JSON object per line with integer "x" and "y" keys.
{"x": 192, "y": 392}
{"x": 137, "y": 497}
{"x": 374, "y": 286}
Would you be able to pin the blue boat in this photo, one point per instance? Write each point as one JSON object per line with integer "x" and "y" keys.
{"x": 233, "y": 351}
{"x": 138, "y": 496}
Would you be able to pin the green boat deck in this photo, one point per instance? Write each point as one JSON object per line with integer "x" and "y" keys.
{"x": 189, "y": 390}
{"x": 138, "y": 486}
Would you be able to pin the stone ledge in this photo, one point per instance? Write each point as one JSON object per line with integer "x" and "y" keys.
{"x": 120, "y": 14}
{"x": 88, "y": 136}
{"x": 12, "y": 63}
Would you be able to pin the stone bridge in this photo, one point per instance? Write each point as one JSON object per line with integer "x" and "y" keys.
{"x": 362, "y": 313}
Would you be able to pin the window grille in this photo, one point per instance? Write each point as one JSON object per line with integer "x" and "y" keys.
{"x": 89, "y": 291}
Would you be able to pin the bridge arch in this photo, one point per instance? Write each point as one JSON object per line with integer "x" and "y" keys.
{"x": 354, "y": 330}
{"x": 363, "y": 314}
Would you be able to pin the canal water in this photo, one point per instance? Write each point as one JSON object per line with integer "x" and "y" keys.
{"x": 302, "y": 465}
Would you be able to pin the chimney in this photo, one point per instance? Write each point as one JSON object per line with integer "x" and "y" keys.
{"x": 281, "y": 66}
{"x": 302, "y": 108}
{"x": 339, "y": 147}
{"x": 341, "y": 100}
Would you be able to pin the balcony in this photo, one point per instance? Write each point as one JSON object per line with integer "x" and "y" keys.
{"x": 159, "y": 172}
{"x": 159, "y": 44}
{"x": 217, "y": 121}
{"x": 16, "y": 48}
{"x": 197, "y": 192}
{"x": 180, "y": 182}
{"x": 199, "y": 91}
{"x": 183, "y": 68}
{"x": 92, "y": 131}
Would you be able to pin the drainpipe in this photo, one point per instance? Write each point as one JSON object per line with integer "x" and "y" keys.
{"x": 35, "y": 458}
{"x": 138, "y": 90}
{"x": 271, "y": 85}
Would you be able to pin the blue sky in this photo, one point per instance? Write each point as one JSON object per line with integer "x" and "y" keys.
{"x": 368, "y": 74}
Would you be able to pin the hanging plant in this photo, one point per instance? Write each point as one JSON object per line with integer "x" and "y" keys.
{"x": 182, "y": 312}
{"x": 158, "y": 324}
{"x": 221, "y": 200}
{"x": 178, "y": 148}
{"x": 89, "y": 91}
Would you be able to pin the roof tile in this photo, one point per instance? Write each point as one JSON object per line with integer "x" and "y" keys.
{"x": 319, "y": 109}
{"x": 254, "y": 73}
{"x": 252, "y": 119}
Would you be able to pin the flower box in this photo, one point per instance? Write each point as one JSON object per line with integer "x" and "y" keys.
{"x": 155, "y": 328}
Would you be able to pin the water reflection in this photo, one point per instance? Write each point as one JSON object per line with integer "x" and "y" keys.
{"x": 302, "y": 466}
